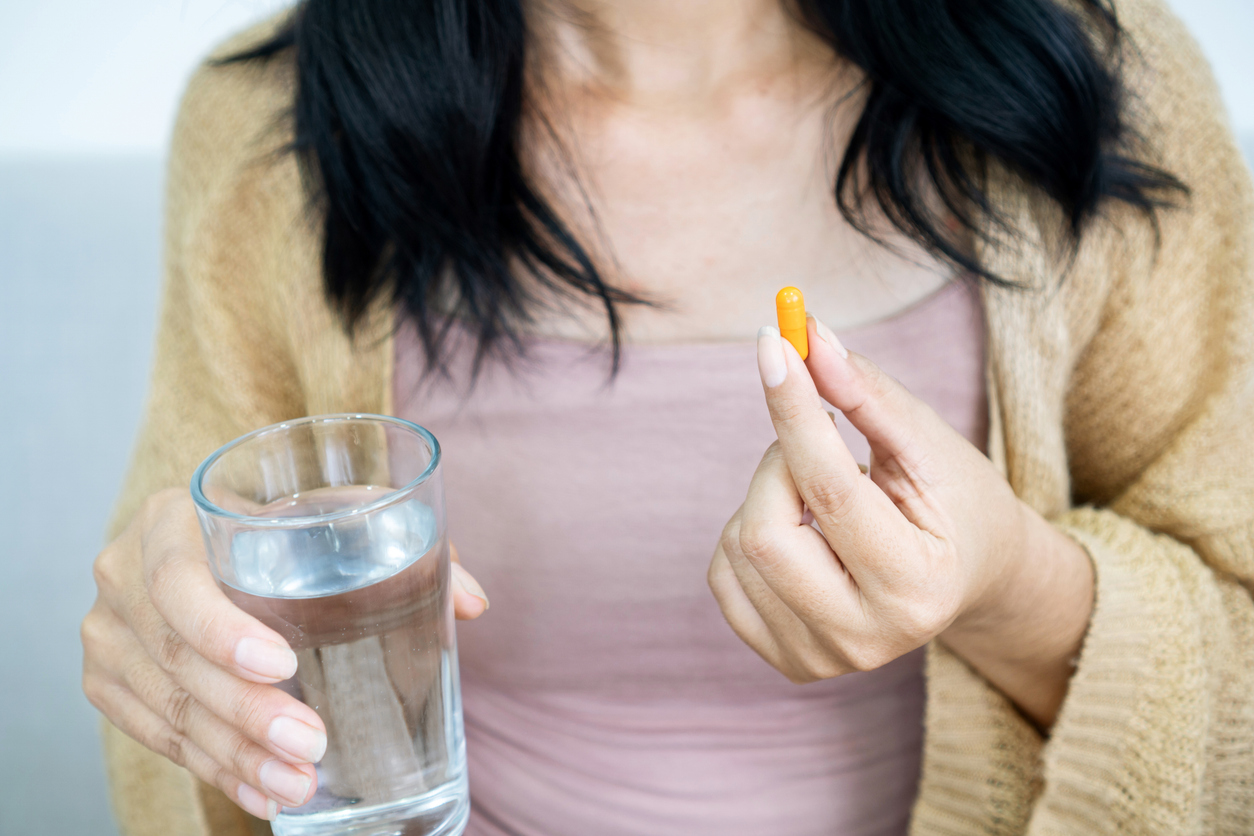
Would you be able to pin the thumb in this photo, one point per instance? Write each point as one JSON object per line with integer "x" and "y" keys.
{"x": 895, "y": 423}
{"x": 469, "y": 599}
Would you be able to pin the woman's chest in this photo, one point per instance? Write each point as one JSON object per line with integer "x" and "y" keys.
{"x": 589, "y": 509}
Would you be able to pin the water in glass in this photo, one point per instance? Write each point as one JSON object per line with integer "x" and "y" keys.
{"x": 364, "y": 602}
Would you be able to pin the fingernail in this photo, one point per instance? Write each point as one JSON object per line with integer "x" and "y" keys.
{"x": 468, "y": 584}
{"x": 265, "y": 659}
{"x": 300, "y": 740}
{"x": 257, "y": 804}
{"x": 826, "y": 335}
{"x": 286, "y": 783}
{"x": 771, "y": 364}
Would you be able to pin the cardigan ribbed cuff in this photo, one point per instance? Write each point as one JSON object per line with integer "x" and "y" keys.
{"x": 980, "y": 771}
{"x": 1128, "y": 749}
{"x": 1111, "y": 762}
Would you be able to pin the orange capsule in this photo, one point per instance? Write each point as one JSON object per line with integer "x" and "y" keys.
{"x": 790, "y": 307}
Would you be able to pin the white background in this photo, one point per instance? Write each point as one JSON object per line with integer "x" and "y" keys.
{"x": 86, "y": 76}
{"x": 88, "y": 90}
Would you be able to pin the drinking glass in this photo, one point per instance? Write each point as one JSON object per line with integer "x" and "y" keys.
{"x": 331, "y": 531}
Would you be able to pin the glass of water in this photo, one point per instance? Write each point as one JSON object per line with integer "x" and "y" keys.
{"x": 331, "y": 531}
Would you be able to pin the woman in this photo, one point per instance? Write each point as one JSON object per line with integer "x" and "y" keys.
{"x": 496, "y": 188}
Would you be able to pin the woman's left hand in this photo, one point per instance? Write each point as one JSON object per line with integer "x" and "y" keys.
{"x": 933, "y": 544}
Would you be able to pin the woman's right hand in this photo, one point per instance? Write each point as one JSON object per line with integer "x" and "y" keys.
{"x": 170, "y": 661}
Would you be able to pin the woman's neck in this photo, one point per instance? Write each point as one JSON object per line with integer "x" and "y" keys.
{"x": 659, "y": 53}
{"x": 689, "y": 145}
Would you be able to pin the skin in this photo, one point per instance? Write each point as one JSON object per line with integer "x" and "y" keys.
{"x": 174, "y": 664}
{"x": 691, "y": 145}
{"x": 703, "y": 138}
{"x": 931, "y": 543}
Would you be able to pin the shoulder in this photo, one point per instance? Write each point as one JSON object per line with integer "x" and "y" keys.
{"x": 1199, "y": 243}
{"x": 234, "y": 197}
{"x": 231, "y": 115}
{"x": 1203, "y": 243}
{"x": 1172, "y": 328}
{"x": 1158, "y": 35}
{"x": 242, "y": 248}
{"x": 230, "y": 102}
{"x": 1172, "y": 87}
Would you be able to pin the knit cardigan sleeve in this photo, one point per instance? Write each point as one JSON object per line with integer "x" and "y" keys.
{"x": 244, "y": 339}
{"x": 220, "y": 367}
{"x": 245, "y": 336}
{"x": 219, "y": 370}
{"x": 1156, "y": 735}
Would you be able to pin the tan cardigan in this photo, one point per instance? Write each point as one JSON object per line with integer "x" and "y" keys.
{"x": 1125, "y": 385}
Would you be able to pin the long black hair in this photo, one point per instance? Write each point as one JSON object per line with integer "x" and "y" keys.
{"x": 408, "y": 113}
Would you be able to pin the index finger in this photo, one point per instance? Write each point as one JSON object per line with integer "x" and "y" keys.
{"x": 856, "y": 517}
{"x": 184, "y": 593}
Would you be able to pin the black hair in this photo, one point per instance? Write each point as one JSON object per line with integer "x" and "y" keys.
{"x": 407, "y": 118}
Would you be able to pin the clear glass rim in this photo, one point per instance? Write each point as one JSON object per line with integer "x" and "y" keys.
{"x": 391, "y": 498}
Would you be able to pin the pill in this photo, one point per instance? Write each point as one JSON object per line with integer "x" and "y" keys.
{"x": 790, "y": 307}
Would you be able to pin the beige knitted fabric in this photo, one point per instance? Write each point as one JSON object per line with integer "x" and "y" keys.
{"x": 1125, "y": 386}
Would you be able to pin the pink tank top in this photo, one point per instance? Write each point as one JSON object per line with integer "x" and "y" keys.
{"x": 604, "y": 694}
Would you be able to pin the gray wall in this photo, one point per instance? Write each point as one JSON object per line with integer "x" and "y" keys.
{"x": 78, "y": 286}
